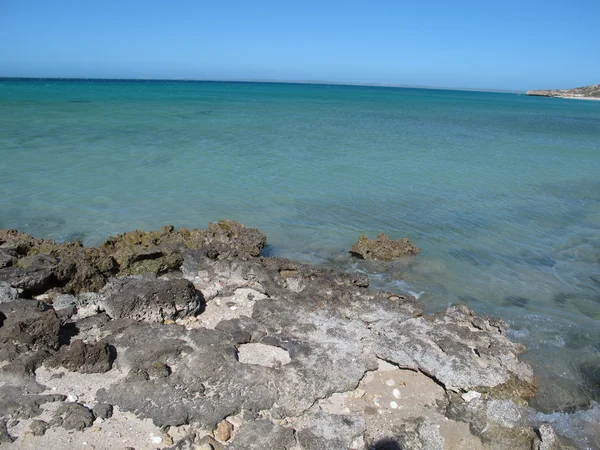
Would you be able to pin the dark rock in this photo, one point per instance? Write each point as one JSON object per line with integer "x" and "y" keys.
{"x": 38, "y": 427}
{"x": 383, "y": 248}
{"x": 103, "y": 411}
{"x": 21, "y": 398}
{"x": 83, "y": 358}
{"x": 151, "y": 300}
{"x": 33, "y": 274}
{"x": 75, "y": 416}
{"x": 29, "y": 325}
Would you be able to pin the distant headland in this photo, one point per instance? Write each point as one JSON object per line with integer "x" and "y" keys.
{"x": 586, "y": 92}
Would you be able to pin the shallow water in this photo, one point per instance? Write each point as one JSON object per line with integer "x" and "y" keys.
{"x": 500, "y": 191}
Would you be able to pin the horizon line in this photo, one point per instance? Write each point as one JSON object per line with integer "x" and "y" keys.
{"x": 270, "y": 81}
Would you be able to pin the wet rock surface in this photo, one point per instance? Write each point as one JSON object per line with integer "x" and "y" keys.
{"x": 195, "y": 331}
{"x": 383, "y": 248}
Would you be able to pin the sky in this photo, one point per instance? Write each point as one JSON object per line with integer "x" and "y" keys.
{"x": 501, "y": 44}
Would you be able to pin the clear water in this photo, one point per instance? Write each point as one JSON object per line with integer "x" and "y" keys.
{"x": 500, "y": 191}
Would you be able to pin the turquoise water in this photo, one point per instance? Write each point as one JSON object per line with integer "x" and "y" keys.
{"x": 500, "y": 191}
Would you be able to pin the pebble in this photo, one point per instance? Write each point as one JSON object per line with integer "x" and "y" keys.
{"x": 396, "y": 393}
{"x": 390, "y": 382}
{"x": 156, "y": 439}
{"x": 471, "y": 395}
{"x": 223, "y": 431}
{"x": 393, "y": 405}
{"x": 71, "y": 398}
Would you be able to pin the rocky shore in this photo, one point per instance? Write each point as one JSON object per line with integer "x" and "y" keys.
{"x": 190, "y": 339}
{"x": 586, "y": 92}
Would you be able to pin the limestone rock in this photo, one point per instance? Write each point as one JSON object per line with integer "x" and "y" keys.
{"x": 383, "y": 248}
{"x": 150, "y": 300}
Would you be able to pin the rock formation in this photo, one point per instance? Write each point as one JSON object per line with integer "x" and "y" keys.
{"x": 191, "y": 339}
{"x": 383, "y": 248}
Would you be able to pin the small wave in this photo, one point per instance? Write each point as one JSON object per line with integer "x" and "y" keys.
{"x": 580, "y": 426}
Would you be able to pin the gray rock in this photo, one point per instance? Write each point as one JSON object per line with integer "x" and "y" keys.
{"x": 150, "y": 300}
{"x": 262, "y": 434}
{"x": 459, "y": 349}
{"x": 6, "y": 259}
{"x": 328, "y": 431}
{"x": 75, "y": 416}
{"x": 5, "y": 437}
{"x": 38, "y": 427}
{"x": 7, "y": 293}
{"x": 103, "y": 411}
{"x": 333, "y": 330}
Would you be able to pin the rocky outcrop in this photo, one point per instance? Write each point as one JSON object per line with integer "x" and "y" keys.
{"x": 36, "y": 265}
{"x": 586, "y": 92}
{"x": 383, "y": 248}
{"x": 242, "y": 351}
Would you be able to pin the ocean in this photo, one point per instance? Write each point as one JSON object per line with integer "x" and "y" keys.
{"x": 500, "y": 191}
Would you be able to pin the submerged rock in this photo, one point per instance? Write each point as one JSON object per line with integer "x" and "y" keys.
{"x": 383, "y": 248}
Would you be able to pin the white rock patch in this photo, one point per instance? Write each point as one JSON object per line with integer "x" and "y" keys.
{"x": 263, "y": 355}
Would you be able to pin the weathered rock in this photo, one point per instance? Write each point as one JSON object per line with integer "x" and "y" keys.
{"x": 29, "y": 325}
{"x": 328, "y": 431}
{"x": 459, "y": 349}
{"x": 6, "y": 259}
{"x": 75, "y": 416}
{"x": 7, "y": 293}
{"x": 5, "y": 437}
{"x": 318, "y": 330}
{"x": 262, "y": 434}
{"x": 383, "y": 248}
{"x": 38, "y": 427}
{"x": 83, "y": 358}
{"x": 103, "y": 411}
{"x": 150, "y": 300}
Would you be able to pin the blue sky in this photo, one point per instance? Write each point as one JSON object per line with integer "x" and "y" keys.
{"x": 505, "y": 44}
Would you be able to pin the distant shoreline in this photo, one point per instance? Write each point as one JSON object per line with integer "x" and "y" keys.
{"x": 581, "y": 93}
{"x": 304, "y": 82}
